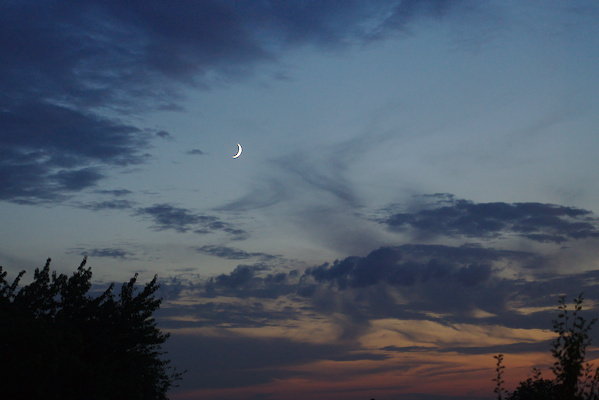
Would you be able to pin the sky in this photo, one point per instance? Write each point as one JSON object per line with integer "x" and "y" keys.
{"x": 418, "y": 183}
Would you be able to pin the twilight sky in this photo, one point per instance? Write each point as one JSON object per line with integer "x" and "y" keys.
{"x": 419, "y": 181}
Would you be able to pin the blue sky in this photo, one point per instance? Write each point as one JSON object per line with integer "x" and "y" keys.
{"x": 430, "y": 162}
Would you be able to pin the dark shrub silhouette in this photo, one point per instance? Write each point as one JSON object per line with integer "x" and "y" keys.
{"x": 574, "y": 379}
{"x": 58, "y": 342}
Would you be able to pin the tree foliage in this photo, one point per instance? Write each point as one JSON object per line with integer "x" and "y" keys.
{"x": 574, "y": 379}
{"x": 58, "y": 342}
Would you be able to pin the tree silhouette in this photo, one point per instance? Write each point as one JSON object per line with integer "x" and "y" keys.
{"x": 58, "y": 342}
{"x": 574, "y": 379}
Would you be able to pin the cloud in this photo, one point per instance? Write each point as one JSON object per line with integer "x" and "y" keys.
{"x": 102, "y": 53}
{"x": 117, "y": 204}
{"x": 239, "y": 277}
{"x": 469, "y": 266}
{"x": 195, "y": 152}
{"x": 535, "y": 221}
{"x": 110, "y": 252}
{"x": 267, "y": 194}
{"x": 50, "y": 151}
{"x": 232, "y": 253}
{"x": 251, "y": 281}
{"x": 463, "y": 281}
{"x": 68, "y": 135}
{"x": 166, "y": 216}
{"x": 316, "y": 191}
{"x": 164, "y": 135}
{"x": 300, "y": 172}
{"x": 430, "y": 279}
{"x": 329, "y": 179}
{"x": 456, "y": 284}
{"x": 213, "y": 313}
{"x": 475, "y": 300}
{"x": 361, "y": 328}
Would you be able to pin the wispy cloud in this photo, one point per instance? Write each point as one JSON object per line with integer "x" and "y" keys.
{"x": 167, "y": 216}
{"x": 115, "y": 192}
{"x": 116, "y": 204}
{"x": 110, "y": 252}
{"x": 232, "y": 253}
{"x": 164, "y": 135}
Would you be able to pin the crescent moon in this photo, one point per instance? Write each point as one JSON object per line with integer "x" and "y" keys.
{"x": 239, "y": 150}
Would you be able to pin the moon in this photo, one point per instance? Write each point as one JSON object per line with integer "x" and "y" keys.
{"x": 239, "y": 150}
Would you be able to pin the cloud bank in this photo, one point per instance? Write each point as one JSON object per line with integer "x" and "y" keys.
{"x": 418, "y": 308}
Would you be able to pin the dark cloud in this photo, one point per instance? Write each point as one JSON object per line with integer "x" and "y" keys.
{"x": 455, "y": 283}
{"x": 257, "y": 281}
{"x": 388, "y": 265}
{"x": 166, "y": 216}
{"x": 36, "y": 182}
{"x": 536, "y": 221}
{"x": 452, "y": 300}
{"x": 232, "y": 253}
{"x": 452, "y": 280}
{"x": 111, "y": 252}
{"x": 77, "y": 179}
{"x": 50, "y": 151}
{"x": 67, "y": 136}
{"x": 451, "y": 283}
{"x": 430, "y": 278}
{"x": 247, "y": 281}
{"x": 195, "y": 152}
{"x": 239, "y": 277}
{"x": 164, "y": 135}
{"x": 429, "y": 283}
